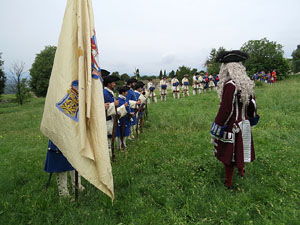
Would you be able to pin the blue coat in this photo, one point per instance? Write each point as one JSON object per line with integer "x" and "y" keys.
{"x": 205, "y": 82}
{"x": 137, "y": 95}
{"x": 125, "y": 119}
{"x": 216, "y": 81}
{"x": 131, "y": 95}
{"x": 55, "y": 160}
{"x": 108, "y": 97}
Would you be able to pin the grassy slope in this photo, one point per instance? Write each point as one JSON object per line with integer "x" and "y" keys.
{"x": 168, "y": 176}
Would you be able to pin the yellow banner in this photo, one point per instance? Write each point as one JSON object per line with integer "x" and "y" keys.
{"x": 74, "y": 115}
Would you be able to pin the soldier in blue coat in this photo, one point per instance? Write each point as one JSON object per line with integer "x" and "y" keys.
{"x": 57, "y": 163}
{"x": 112, "y": 109}
{"x": 138, "y": 89}
{"x": 133, "y": 103}
{"x": 123, "y": 128}
{"x": 206, "y": 82}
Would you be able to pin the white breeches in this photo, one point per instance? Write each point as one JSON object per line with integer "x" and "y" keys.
{"x": 185, "y": 91}
{"x": 163, "y": 95}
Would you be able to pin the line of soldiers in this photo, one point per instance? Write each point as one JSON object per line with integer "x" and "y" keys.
{"x": 201, "y": 83}
{"x": 125, "y": 113}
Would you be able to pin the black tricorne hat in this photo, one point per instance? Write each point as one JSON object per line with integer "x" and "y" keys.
{"x": 231, "y": 56}
{"x": 138, "y": 85}
{"x": 123, "y": 89}
{"x": 141, "y": 83}
{"x": 131, "y": 80}
{"x": 110, "y": 79}
{"x": 104, "y": 73}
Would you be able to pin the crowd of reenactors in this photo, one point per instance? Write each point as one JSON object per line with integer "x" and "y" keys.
{"x": 200, "y": 83}
{"x": 125, "y": 111}
{"x": 269, "y": 77}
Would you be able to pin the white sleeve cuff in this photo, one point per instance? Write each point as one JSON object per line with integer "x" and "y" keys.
{"x": 111, "y": 109}
{"x": 122, "y": 111}
{"x": 132, "y": 104}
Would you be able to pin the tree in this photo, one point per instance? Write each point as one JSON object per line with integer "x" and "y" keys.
{"x": 2, "y": 76}
{"x": 115, "y": 74}
{"x": 124, "y": 77}
{"x": 212, "y": 66}
{"x": 183, "y": 70}
{"x": 265, "y": 55}
{"x": 296, "y": 60}
{"x": 152, "y": 77}
{"x": 193, "y": 71}
{"x": 19, "y": 85}
{"x": 160, "y": 74}
{"x": 137, "y": 74}
{"x": 171, "y": 74}
{"x": 165, "y": 73}
{"x": 40, "y": 71}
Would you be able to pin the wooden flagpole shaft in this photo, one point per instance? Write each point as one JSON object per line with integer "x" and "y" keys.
{"x": 48, "y": 182}
{"x": 142, "y": 118}
{"x": 76, "y": 185}
{"x": 115, "y": 124}
{"x": 137, "y": 123}
{"x": 123, "y": 132}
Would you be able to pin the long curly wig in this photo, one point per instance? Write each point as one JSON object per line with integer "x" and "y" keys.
{"x": 237, "y": 73}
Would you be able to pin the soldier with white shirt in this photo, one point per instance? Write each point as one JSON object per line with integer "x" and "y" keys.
{"x": 211, "y": 82}
{"x": 175, "y": 87}
{"x": 151, "y": 88}
{"x": 185, "y": 86}
{"x": 111, "y": 105}
{"x": 163, "y": 89}
{"x": 134, "y": 103}
{"x": 201, "y": 83}
{"x": 196, "y": 85}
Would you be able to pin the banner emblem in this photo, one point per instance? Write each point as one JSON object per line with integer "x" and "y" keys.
{"x": 69, "y": 104}
{"x": 96, "y": 70}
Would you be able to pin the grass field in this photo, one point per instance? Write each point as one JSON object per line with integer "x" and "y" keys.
{"x": 169, "y": 175}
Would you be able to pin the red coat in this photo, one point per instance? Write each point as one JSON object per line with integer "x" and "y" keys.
{"x": 229, "y": 148}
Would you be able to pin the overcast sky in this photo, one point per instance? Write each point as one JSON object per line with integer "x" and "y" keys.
{"x": 153, "y": 34}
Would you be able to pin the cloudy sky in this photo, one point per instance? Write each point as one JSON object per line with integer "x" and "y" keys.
{"x": 153, "y": 34}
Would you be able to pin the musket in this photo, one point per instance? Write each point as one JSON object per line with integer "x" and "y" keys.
{"x": 142, "y": 118}
{"x": 123, "y": 132}
{"x": 116, "y": 119}
{"x": 137, "y": 122}
{"x": 146, "y": 109}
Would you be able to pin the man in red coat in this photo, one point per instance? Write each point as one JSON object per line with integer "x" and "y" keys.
{"x": 231, "y": 129}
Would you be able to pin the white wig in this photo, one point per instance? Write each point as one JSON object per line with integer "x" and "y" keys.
{"x": 237, "y": 73}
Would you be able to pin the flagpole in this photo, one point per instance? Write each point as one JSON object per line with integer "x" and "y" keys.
{"x": 48, "y": 182}
{"x": 76, "y": 185}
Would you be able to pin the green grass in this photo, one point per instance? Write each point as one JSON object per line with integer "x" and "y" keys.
{"x": 169, "y": 175}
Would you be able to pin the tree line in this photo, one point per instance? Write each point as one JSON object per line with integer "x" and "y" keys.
{"x": 264, "y": 55}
